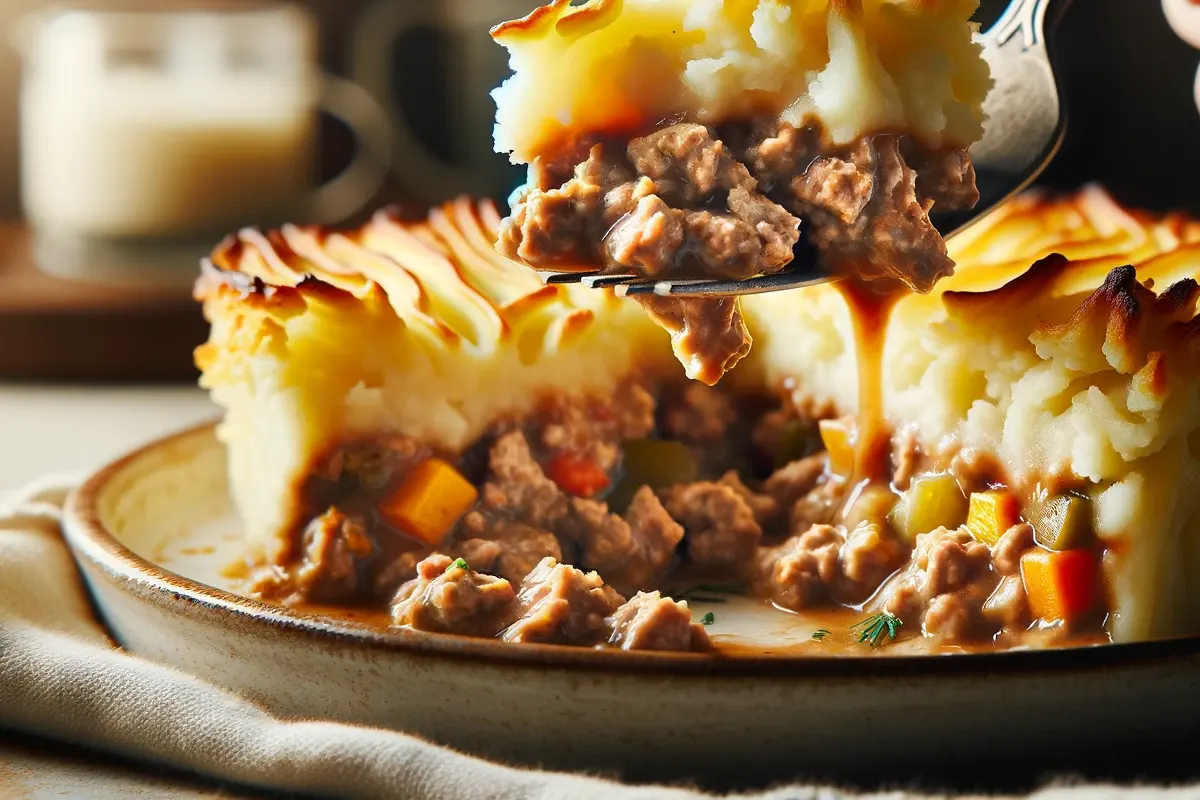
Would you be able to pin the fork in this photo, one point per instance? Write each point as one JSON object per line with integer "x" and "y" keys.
{"x": 1024, "y": 127}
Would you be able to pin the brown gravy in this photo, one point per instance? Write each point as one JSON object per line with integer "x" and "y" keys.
{"x": 870, "y": 305}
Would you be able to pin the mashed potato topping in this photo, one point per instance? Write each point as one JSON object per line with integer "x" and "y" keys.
{"x": 854, "y": 66}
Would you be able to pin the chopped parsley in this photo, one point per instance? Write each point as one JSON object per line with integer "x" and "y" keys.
{"x": 708, "y": 619}
{"x": 874, "y": 628}
{"x": 819, "y": 634}
{"x": 458, "y": 563}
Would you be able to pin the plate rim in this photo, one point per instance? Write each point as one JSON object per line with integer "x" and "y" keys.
{"x": 88, "y": 538}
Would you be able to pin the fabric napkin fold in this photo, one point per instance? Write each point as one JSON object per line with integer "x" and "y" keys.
{"x": 62, "y": 677}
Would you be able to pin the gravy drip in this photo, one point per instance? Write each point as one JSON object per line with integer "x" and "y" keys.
{"x": 870, "y": 305}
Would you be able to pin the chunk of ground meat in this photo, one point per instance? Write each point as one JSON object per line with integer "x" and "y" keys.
{"x": 334, "y": 548}
{"x": 891, "y": 235}
{"x": 699, "y": 414}
{"x": 689, "y": 162}
{"x": 798, "y": 573}
{"x": 558, "y": 604}
{"x": 506, "y": 548}
{"x": 633, "y": 553}
{"x": 825, "y": 563}
{"x": 592, "y": 428}
{"x": 519, "y": 488}
{"x": 1012, "y": 544}
{"x": 946, "y": 586}
{"x": 767, "y": 510}
{"x": 649, "y": 238}
{"x": 650, "y": 621}
{"x": 721, "y": 532}
{"x": 839, "y": 189}
{"x": 906, "y": 457}
{"x": 790, "y": 483}
{"x": 975, "y": 470}
{"x": 449, "y": 598}
{"x": 708, "y": 335}
{"x": 869, "y": 556}
{"x": 819, "y": 506}
{"x": 946, "y": 177}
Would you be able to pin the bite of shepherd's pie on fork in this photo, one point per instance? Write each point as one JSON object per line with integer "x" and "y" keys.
{"x": 416, "y": 424}
{"x": 718, "y": 138}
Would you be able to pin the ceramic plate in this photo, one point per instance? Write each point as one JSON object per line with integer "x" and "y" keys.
{"x": 155, "y": 533}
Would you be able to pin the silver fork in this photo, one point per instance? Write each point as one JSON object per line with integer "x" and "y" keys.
{"x": 1024, "y": 129}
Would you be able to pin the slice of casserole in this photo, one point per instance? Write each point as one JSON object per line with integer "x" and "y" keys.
{"x": 686, "y": 138}
{"x": 416, "y": 424}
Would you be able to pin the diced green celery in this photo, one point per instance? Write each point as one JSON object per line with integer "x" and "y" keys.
{"x": 1062, "y": 522}
{"x": 656, "y": 463}
{"x": 931, "y": 502}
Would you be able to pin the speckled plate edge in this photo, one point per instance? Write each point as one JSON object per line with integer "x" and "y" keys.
{"x": 89, "y": 540}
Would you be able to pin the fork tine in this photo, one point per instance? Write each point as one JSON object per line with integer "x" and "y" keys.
{"x": 709, "y": 288}
{"x": 559, "y": 278}
{"x": 600, "y": 281}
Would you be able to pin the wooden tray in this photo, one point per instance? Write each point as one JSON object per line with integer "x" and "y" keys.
{"x": 53, "y": 329}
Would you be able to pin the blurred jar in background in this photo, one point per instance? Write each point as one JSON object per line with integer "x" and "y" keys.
{"x": 146, "y": 136}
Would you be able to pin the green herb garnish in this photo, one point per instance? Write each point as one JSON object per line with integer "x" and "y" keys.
{"x": 708, "y": 619}
{"x": 819, "y": 634}
{"x": 458, "y": 563}
{"x": 874, "y": 628}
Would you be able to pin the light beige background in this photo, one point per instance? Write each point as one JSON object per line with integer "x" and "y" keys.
{"x": 54, "y": 430}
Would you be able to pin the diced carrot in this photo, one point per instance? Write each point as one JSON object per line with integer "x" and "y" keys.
{"x": 1063, "y": 585}
{"x": 838, "y": 437}
{"x": 429, "y": 501}
{"x": 992, "y": 513}
{"x": 576, "y": 475}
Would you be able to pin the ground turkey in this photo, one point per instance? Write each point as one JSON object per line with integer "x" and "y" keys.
{"x": 827, "y": 563}
{"x": 633, "y": 553}
{"x": 650, "y": 621}
{"x": 958, "y": 590}
{"x": 722, "y": 533}
{"x": 691, "y": 200}
{"x": 334, "y": 548}
{"x": 558, "y": 604}
{"x": 451, "y": 597}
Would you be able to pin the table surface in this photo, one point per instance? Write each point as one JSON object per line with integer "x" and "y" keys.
{"x": 73, "y": 430}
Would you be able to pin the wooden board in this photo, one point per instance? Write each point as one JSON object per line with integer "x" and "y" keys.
{"x": 53, "y": 329}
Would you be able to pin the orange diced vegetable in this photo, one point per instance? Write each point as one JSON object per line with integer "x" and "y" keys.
{"x": 838, "y": 437}
{"x": 429, "y": 502}
{"x": 1061, "y": 585}
{"x": 576, "y": 475}
{"x": 991, "y": 514}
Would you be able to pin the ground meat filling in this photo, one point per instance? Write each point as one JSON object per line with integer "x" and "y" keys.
{"x": 958, "y": 590}
{"x": 731, "y": 202}
{"x": 450, "y": 597}
{"x": 828, "y": 563}
{"x": 650, "y": 621}
{"x": 558, "y": 604}
{"x": 561, "y": 522}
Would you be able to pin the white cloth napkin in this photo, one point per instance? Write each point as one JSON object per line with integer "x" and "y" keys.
{"x": 63, "y": 678}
